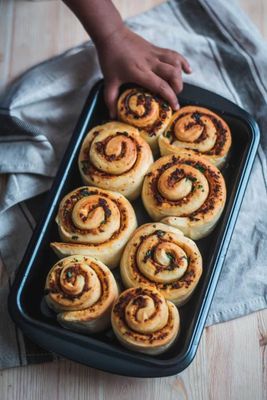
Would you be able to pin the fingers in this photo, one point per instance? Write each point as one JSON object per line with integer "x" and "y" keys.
{"x": 185, "y": 65}
{"x": 159, "y": 86}
{"x": 162, "y": 76}
{"x": 111, "y": 92}
{"x": 175, "y": 59}
{"x": 171, "y": 74}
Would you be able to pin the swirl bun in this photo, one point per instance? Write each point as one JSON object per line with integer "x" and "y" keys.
{"x": 200, "y": 130}
{"x": 188, "y": 189}
{"x": 94, "y": 222}
{"x": 144, "y": 321}
{"x": 82, "y": 291}
{"x": 147, "y": 112}
{"x": 115, "y": 157}
{"x": 161, "y": 256}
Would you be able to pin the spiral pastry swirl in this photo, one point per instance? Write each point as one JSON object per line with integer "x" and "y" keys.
{"x": 200, "y": 130}
{"x": 188, "y": 190}
{"x": 94, "y": 222}
{"x": 81, "y": 290}
{"x": 147, "y": 112}
{"x": 161, "y": 256}
{"x": 144, "y": 321}
{"x": 115, "y": 157}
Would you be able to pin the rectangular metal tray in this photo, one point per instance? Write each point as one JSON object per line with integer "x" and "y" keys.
{"x": 103, "y": 351}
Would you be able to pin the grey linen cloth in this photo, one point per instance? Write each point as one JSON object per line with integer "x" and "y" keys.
{"x": 38, "y": 114}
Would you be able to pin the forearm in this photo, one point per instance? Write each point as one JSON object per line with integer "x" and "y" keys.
{"x": 124, "y": 56}
{"x": 100, "y": 18}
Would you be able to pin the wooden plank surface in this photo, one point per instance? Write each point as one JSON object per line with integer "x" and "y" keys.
{"x": 231, "y": 362}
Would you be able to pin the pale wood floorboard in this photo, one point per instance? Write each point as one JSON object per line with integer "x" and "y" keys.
{"x": 231, "y": 362}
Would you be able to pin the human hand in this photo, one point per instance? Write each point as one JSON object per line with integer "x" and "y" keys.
{"x": 126, "y": 57}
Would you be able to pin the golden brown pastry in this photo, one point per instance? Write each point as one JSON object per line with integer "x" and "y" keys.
{"x": 115, "y": 157}
{"x": 147, "y": 112}
{"x": 188, "y": 190}
{"x": 200, "y": 130}
{"x": 144, "y": 321}
{"x": 161, "y": 256}
{"x": 81, "y": 290}
{"x": 94, "y": 222}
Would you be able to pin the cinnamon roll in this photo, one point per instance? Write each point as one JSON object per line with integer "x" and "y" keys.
{"x": 200, "y": 130}
{"x": 144, "y": 321}
{"x": 94, "y": 222}
{"x": 161, "y": 256}
{"x": 81, "y": 290}
{"x": 149, "y": 113}
{"x": 115, "y": 157}
{"x": 188, "y": 190}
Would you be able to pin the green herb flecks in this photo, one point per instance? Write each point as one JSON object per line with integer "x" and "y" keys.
{"x": 171, "y": 257}
{"x": 200, "y": 168}
{"x": 148, "y": 255}
{"x": 84, "y": 192}
{"x": 191, "y": 178}
{"x": 168, "y": 134}
{"x": 165, "y": 106}
{"x": 160, "y": 233}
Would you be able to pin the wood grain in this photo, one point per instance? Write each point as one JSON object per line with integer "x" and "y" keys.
{"x": 230, "y": 364}
{"x": 231, "y": 361}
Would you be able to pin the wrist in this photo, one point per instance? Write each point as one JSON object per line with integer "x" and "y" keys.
{"x": 100, "y": 18}
{"x": 104, "y": 37}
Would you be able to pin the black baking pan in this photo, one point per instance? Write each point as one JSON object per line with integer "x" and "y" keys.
{"x": 103, "y": 351}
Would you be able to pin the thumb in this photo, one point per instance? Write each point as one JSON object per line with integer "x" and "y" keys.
{"x": 111, "y": 92}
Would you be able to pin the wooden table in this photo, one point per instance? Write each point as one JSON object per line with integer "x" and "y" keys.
{"x": 231, "y": 361}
